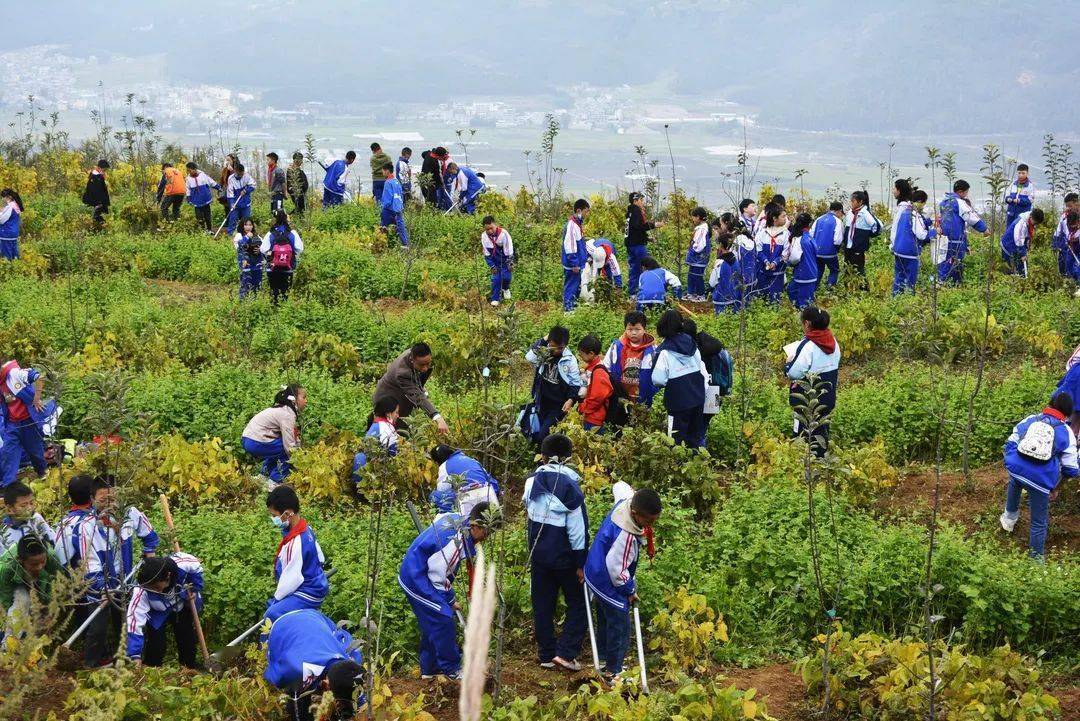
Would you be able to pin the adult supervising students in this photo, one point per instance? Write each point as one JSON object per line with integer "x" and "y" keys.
{"x": 96, "y": 194}
{"x": 404, "y": 381}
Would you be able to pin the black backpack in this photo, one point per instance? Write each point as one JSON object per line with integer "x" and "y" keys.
{"x": 618, "y": 409}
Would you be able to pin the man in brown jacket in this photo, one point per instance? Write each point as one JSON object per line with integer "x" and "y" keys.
{"x": 404, "y": 381}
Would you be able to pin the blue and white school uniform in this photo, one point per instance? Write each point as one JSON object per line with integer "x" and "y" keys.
{"x": 1060, "y": 244}
{"x": 298, "y": 570}
{"x": 653, "y": 286}
{"x": 392, "y": 201}
{"x": 22, "y": 426}
{"x": 801, "y": 256}
{"x": 1019, "y": 199}
{"x": 810, "y": 359}
{"x": 697, "y": 259}
{"x": 198, "y": 189}
{"x": 604, "y": 261}
{"x": 250, "y": 266}
{"x": 334, "y": 180}
{"x": 302, "y": 646}
{"x": 746, "y": 252}
{"x": 154, "y": 608}
{"x": 498, "y": 250}
{"x": 1015, "y": 242}
{"x": 771, "y": 244}
{"x": 109, "y": 553}
{"x": 951, "y": 247}
{"x": 427, "y": 577}
{"x": 468, "y": 186}
{"x": 678, "y": 369}
{"x": 386, "y": 434}
{"x": 749, "y": 223}
{"x": 724, "y": 281}
{"x": 828, "y": 234}
{"x": 238, "y": 192}
{"x": 12, "y": 531}
{"x": 68, "y": 539}
{"x": 403, "y": 172}
{"x": 1071, "y": 252}
{"x": 10, "y": 224}
{"x": 574, "y": 257}
{"x": 909, "y": 234}
{"x": 462, "y": 485}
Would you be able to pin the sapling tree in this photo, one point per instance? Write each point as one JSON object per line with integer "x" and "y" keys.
{"x": 677, "y": 207}
{"x": 948, "y": 167}
{"x": 932, "y": 157}
{"x": 464, "y": 137}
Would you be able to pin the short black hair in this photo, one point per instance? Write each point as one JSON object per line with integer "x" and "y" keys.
{"x": 153, "y": 569}
{"x": 649, "y": 263}
{"x": 343, "y": 677}
{"x": 779, "y": 200}
{"x": 960, "y": 186}
{"x": 836, "y": 206}
{"x": 1062, "y": 402}
{"x": 1071, "y": 197}
{"x": 485, "y": 516}
{"x": 441, "y": 453}
{"x": 384, "y": 404}
{"x": 191, "y": 166}
{"x": 103, "y": 163}
{"x": 581, "y": 204}
{"x": 646, "y": 500}
{"x": 1022, "y": 166}
{"x": 818, "y": 318}
{"x": 745, "y": 203}
{"x": 699, "y": 212}
{"x": 238, "y": 169}
{"x": 80, "y": 489}
{"x": 297, "y": 155}
{"x": 559, "y": 335}
{"x": 406, "y": 149}
{"x": 557, "y": 445}
{"x": 487, "y": 219}
{"x": 670, "y": 324}
{"x": 635, "y": 317}
{"x": 420, "y": 349}
{"x": 272, "y": 156}
{"x": 16, "y": 491}
{"x": 1037, "y": 216}
{"x": 589, "y": 344}
{"x": 1072, "y": 217}
{"x": 166, "y": 165}
{"x": 375, "y": 146}
{"x": 28, "y": 547}
{"x": 351, "y": 155}
{"x": 919, "y": 196}
{"x": 102, "y": 482}
{"x": 283, "y": 498}
{"x": 387, "y": 166}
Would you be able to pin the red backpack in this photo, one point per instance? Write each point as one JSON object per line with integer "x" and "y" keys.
{"x": 282, "y": 253}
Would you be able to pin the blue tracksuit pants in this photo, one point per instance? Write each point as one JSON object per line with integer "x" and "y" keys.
{"x": 275, "y": 460}
{"x": 545, "y": 586}
{"x": 571, "y": 289}
{"x": 500, "y": 281}
{"x": 388, "y": 218}
{"x": 695, "y": 280}
{"x": 22, "y": 439}
{"x": 439, "y": 650}
{"x": 612, "y": 635}
{"x": 833, "y": 264}
{"x": 634, "y": 255}
{"x": 1039, "y": 503}
{"x": 251, "y": 273}
{"x": 237, "y": 215}
{"x": 9, "y": 248}
{"x": 801, "y": 294}
{"x": 905, "y": 274}
{"x": 330, "y": 199}
{"x": 688, "y": 427}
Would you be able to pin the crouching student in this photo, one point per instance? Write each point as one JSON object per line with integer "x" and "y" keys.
{"x": 558, "y": 540}
{"x": 724, "y": 279}
{"x": 653, "y": 285}
{"x": 463, "y": 482}
{"x": 679, "y": 371}
{"x": 1062, "y": 234}
{"x": 382, "y": 428}
{"x": 801, "y": 256}
{"x": 697, "y": 255}
{"x": 305, "y": 654}
{"x": 814, "y": 359}
{"x": 597, "y": 382}
{"x": 1017, "y": 239}
{"x": 498, "y": 249}
{"x": 557, "y": 384}
{"x": 298, "y": 563}
{"x": 1041, "y": 449}
{"x": 604, "y": 261}
{"x": 27, "y": 571}
{"x": 427, "y": 578}
{"x": 159, "y": 601}
{"x": 273, "y": 434}
{"x": 22, "y": 518}
{"x": 612, "y": 566}
{"x": 24, "y": 416}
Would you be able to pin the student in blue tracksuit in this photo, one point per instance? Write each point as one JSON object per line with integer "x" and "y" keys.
{"x": 957, "y": 216}
{"x": 198, "y": 194}
{"x": 697, "y": 255}
{"x": 335, "y": 179}
{"x": 249, "y": 257}
{"x": 600, "y": 254}
{"x": 861, "y": 226}
{"x": 382, "y": 428}
{"x": 24, "y": 418}
{"x": 1020, "y": 196}
{"x": 427, "y": 578}
{"x": 463, "y": 482}
{"x": 909, "y": 235}
{"x": 636, "y": 236}
{"x": 1070, "y": 382}
{"x": 298, "y": 563}
{"x": 679, "y": 371}
{"x": 574, "y": 254}
{"x": 10, "y": 223}
{"x": 724, "y": 279}
{"x": 238, "y": 192}
{"x": 80, "y": 489}
{"x": 814, "y": 359}
{"x": 748, "y": 215}
{"x": 393, "y": 205}
{"x": 1039, "y": 452}
{"x": 557, "y": 385}
{"x": 801, "y": 257}
{"x": 771, "y": 241}
{"x": 498, "y": 249}
{"x": 1017, "y": 239}
{"x": 306, "y": 653}
{"x": 467, "y": 185}
{"x": 653, "y": 285}
{"x": 403, "y": 172}
{"x": 160, "y": 600}
{"x": 1061, "y": 234}
{"x": 558, "y": 541}
{"x": 1070, "y": 245}
{"x": 612, "y": 566}
{"x": 828, "y": 234}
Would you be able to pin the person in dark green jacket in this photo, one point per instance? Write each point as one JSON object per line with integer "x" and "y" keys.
{"x": 28, "y": 568}
{"x": 378, "y": 160}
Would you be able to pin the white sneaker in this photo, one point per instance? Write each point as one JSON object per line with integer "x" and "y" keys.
{"x": 547, "y": 664}
{"x": 1008, "y": 524}
{"x": 506, "y": 294}
{"x": 494, "y": 304}
{"x": 571, "y": 665}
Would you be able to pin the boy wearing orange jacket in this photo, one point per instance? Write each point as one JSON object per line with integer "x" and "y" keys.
{"x": 598, "y": 389}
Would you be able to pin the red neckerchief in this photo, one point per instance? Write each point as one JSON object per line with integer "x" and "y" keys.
{"x": 83, "y": 507}
{"x": 650, "y": 542}
{"x": 1030, "y": 229}
{"x": 295, "y": 530}
{"x": 576, "y": 220}
{"x": 270, "y": 167}
{"x": 495, "y": 237}
{"x": 772, "y": 241}
{"x": 1054, "y": 413}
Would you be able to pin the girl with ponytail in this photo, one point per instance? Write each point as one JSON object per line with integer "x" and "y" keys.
{"x": 272, "y": 434}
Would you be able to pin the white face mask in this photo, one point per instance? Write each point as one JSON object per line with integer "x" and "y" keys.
{"x": 278, "y": 521}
